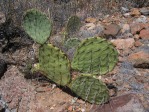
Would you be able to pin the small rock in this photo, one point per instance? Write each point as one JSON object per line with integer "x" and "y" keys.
{"x": 90, "y": 20}
{"x": 142, "y": 19}
{"x": 144, "y": 11}
{"x": 139, "y": 59}
{"x": 70, "y": 108}
{"x": 90, "y": 26}
{"x": 126, "y": 15}
{"x": 123, "y": 43}
{"x": 112, "y": 29}
{"x": 126, "y": 28}
{"x": 124, "y": 9}
{"x": 135, "y": 12}
{"x": 144, "y": 34}
{"x": 138, "y": 43}
{"x": 90, "y": 30}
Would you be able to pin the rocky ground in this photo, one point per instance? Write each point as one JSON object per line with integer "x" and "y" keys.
{"x": 128, "y": 31}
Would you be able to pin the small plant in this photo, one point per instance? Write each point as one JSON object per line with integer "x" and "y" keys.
{"x": 93, "y": 56}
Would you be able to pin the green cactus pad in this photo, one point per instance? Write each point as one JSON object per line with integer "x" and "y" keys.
{"x": 90, "y": 89}
{"x": 54, "y": 64}
{"x": 37, "y": 25}
{"x": 73, "y": 24}
{"x": 72, "y": 43}
{"x": 95, "y": 56}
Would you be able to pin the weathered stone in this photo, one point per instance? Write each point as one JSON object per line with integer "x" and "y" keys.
{"x": 144, "y": 33}
{"x": 135, "y": 12}
{"x": 139, "y": 59}
{"x": 112, "y": 29}
{"x": 124, "y": 103}
{"x": 123, "y": 43}
{"x": 90, "y": 20}
{"x": 144, "y": 10}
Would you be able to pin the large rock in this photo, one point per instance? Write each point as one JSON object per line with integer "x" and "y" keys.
{"x": 124, "y": 103}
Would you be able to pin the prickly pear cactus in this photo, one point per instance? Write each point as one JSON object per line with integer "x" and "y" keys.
{"x": 71, "y": 43}
{"x": 73, "y": 24}
{"x": 37, "y": 25}
{"x": 54, "y": 64}
{"x": 95, "y": 56}
{"x": 90, "y": 89}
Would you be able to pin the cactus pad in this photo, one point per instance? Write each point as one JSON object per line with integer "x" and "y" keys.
{"x": 90, "y": 89}
{"x": 37, "y": 25}
{"x": 95, "y": 56}
{"x": 73, "y": 24}
{"x": 54, "y": 64}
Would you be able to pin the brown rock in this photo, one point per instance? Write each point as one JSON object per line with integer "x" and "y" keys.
{"x": 112, "y": 29}
{"x": 124, "y": 103}
{"x": 90, "y": 20}
{"x": 137, "y": 27}
{"x": 123, "y": 43}
{"x": 138, "y": 43}
{"x": 135, "y": 12}
{"x": 139, "y": 59}
{"x": 144, "y": 34}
